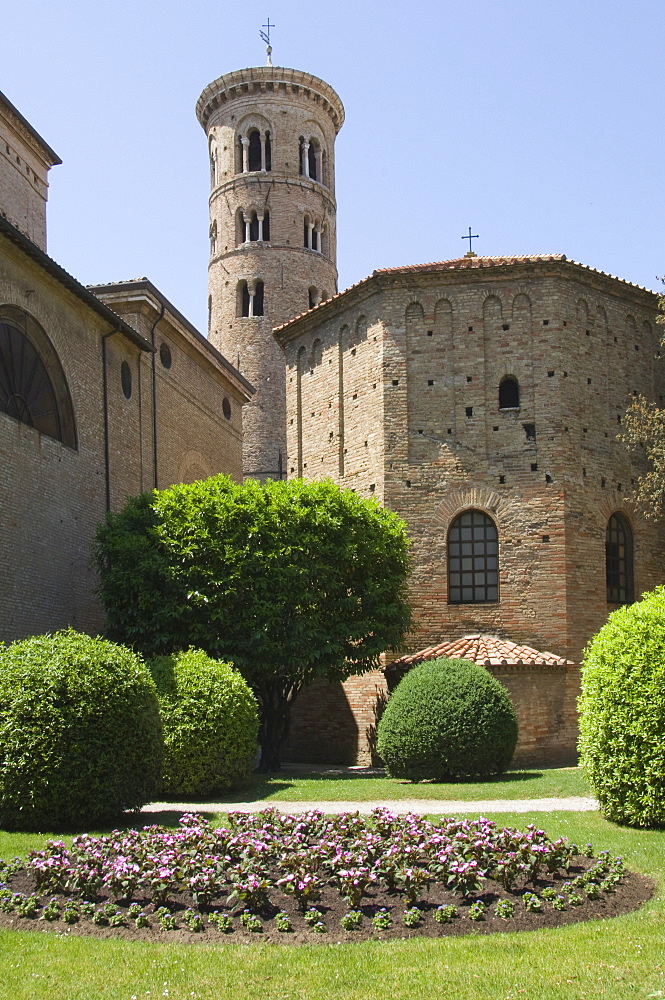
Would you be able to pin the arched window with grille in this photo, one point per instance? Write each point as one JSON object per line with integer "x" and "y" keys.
{"x": 473, "y": 559}
{"x": 509, "y": 393}
{"x": 619, "y": 560}
{"x": 33, "y": 387}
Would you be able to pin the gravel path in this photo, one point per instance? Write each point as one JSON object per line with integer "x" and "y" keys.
{"x": 574, "y": 803}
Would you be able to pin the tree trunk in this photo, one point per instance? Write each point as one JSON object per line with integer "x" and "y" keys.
{"x": 275, "y": 700}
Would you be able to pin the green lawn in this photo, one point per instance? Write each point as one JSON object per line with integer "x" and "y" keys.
{"x": 614, "y": 959}
{"x": 297, "y": 786}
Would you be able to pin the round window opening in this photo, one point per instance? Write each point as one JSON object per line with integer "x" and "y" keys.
{"x": 226, "y": 408}
{"x": 126, "y": 379}
{"x": 165, "y": 355}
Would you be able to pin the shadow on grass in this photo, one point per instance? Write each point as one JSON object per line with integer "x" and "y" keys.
{"x": 261, "y": 786}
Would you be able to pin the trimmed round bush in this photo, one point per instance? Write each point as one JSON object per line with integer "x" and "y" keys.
{"x": 80, "y": 734}
{"x": 447, "y": 719}
{"x": 210, "y": 720}
{"x": 622, "y": 713}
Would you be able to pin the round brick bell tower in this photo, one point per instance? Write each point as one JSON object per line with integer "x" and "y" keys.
{"x": 271, "y": 139}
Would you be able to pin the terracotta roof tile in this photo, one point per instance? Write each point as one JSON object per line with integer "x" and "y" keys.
{"x": 488, "y": 650}
{"x": 463, "y": 263}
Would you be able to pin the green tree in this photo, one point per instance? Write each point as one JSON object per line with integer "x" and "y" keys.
{"x": 288, "y": 580}
{"x": 644, "y": 434}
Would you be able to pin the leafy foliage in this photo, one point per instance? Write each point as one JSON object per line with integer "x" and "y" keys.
{"x": 644, "y": 436}
{"x": 447, "y": 718}
{"x": 289, "y": 580}
{"x": 210, "y": 721}
{"x": 622, "y": 713}
{"x": 80, "y": 734}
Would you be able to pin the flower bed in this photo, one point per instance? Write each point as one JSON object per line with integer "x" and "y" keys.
{"x": 312, "y": 877}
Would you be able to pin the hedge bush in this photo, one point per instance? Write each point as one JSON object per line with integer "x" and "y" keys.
{"x": 622, "y": 713}
{"x": 447, "y": 719}
{"x": 210, "y": 720}
{"x": 80, "y": 734}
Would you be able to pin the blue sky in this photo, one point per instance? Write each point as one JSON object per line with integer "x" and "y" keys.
{"x": 537, "y": 123}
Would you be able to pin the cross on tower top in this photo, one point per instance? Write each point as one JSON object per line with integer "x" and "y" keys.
{"x": 469, "y": 238}
{"x": 265, "y": 35}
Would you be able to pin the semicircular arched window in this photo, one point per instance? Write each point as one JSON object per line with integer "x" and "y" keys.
{"x": 33, "y": 388}
{"x": 473, "y": 559}
{"x": 619, "y": 560}
{"x": 509, "y": 393}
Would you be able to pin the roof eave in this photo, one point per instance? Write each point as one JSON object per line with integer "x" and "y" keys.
{"x": 48, "y": 265}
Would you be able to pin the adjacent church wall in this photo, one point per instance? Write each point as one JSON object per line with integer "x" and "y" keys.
{"x": 54, "y": 494}
{"x": 51, "y": 496}
{"x": 198, "y": 402}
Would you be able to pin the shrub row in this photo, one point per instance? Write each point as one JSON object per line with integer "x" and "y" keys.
{"x": 88, "y": 730}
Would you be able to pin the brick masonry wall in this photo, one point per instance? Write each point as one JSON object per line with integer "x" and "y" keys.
{"x": 52, "y": 497}
{"x": 287, "y": 104}
{"x": 581, "y": 345}
{"x": 23, "y": 178}
{"x": 195, "y": 438}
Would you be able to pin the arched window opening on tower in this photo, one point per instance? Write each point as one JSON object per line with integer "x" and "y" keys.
{"x": 311, "y": 159}
{"x": 255, "y": 152}
{"x": 509, "y": 393}
{"x": 250, "y": 298}
{"x": 473, "y": 559}
{"x": 33, "y": 387}
{"x": 312, "y": 234}
{"x": 256, "y": 227}
{"x": 313, "y": 162}
{"x": 213, "y": 237}
{"x": 258, "y": 298}
{"x": 619, "y": 560}
{"x": 213, "y": 164}
{"x": 314, "y": 297}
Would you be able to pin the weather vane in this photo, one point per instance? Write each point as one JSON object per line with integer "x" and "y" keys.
{"x": 469, "y": 238}
{"x": 265, "y": 35}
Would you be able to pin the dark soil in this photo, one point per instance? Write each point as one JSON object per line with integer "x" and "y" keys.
{"x": 629, "y": 893}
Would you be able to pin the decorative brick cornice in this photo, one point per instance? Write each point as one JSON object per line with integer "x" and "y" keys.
{"x": 28, "y": 133}
{"x": 468, "y": 271}
{"x": 269, "y": 80}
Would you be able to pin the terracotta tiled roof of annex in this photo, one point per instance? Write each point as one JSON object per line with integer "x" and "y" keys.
{"x": 488, "y": 650}
{"x": 462, "y": 264}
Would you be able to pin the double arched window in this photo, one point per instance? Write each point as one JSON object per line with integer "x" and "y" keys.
{"x": 33, "y": 388}
{"x": 312, "y": 234}
{"x": 254, "y": 227}
{"x": 619, "y": 560}
{"x": 254, "y": 151}
{"x": 311, "y": 159}
{"x": 473, "y": 559}
{"x": 250, "y": 298}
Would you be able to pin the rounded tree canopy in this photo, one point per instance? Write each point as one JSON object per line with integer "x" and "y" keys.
{"x": 622, "y": 713}
{"x": 287, "y": 579}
